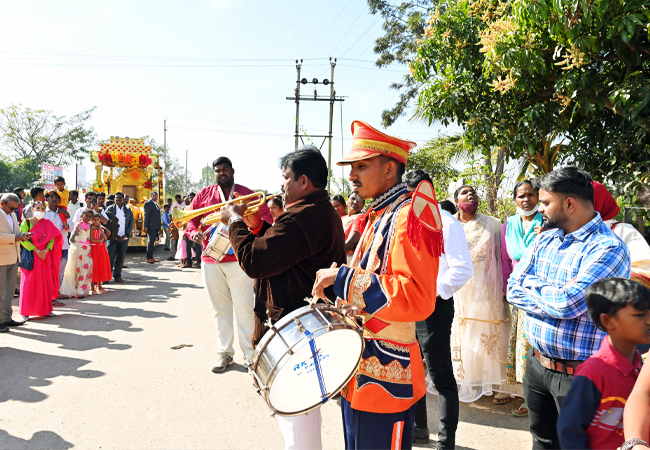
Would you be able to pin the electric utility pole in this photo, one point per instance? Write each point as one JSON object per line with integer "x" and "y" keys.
{"x": 331, "y": 98}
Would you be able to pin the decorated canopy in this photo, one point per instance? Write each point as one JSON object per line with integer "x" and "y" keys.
{"x": 124, "y": 152}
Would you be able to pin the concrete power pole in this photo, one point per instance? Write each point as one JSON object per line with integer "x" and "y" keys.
{"x": 331, "y": 98}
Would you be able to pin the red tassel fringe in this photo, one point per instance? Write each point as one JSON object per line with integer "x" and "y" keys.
{"x": 416, "y": 232}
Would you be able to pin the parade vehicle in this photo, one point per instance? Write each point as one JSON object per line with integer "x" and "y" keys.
{"x": 129, "y": 166}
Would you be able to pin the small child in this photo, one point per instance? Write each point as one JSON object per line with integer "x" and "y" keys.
{"x": 591, "y": 416}
{"x": 64, "y": 195}
{"x": 101, "y": 261}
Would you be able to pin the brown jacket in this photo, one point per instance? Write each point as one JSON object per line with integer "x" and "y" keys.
{"x": 284, "y": 258}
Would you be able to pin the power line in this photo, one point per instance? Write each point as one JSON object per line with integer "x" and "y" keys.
{"x": 328, "y": 27}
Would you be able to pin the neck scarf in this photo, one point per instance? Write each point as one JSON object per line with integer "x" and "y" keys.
{"x": 533, "y": 211}
{"x": 517, "y": 241}
{"x": 470, "y": 208}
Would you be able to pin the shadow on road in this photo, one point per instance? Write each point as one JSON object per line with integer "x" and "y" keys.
{"x": 68, "y": 341}
{"x": 22, "y": 371}
{"x": 40, "y": 440}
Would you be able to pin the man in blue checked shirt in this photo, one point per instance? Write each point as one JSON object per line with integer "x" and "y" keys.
{"x": 549, "y": 283}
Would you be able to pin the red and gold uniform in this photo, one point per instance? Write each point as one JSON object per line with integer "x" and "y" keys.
{"x": 392, "y": 282}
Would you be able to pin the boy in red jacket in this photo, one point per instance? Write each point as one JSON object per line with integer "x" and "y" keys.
{"x": 591, "y": 416}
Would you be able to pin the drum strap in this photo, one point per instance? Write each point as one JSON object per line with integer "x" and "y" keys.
{"x": 319, "y": 373}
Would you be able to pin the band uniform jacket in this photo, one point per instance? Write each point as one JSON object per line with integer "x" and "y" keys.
{"x": 393, "y": 285}
{"x": 283, "y": 258}
{"x": 152, "y": 216}
{"x": 9, "y": 248}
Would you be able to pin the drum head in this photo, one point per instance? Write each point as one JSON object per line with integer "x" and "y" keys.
{"x": 296, "y": 388}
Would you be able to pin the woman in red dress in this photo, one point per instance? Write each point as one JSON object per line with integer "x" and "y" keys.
{"x": 101, "y": 262}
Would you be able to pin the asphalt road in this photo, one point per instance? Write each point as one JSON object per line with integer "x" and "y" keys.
{"x": 102, "y": 375}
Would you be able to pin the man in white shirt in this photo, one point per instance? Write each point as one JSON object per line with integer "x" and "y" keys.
{"x": 74, "y": 204}
{"x": 52, "y": 214}
{"x": 119, "y": 241}
{"x": 434, "y": 333}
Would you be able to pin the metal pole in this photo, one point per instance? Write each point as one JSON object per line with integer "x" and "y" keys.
{"x": 186, "y": 182}
{"x": 76, "y": 175}
{"x": 297, "y": 90}
{"x": 165, "y": 146}
{"x": 329, "y": 152}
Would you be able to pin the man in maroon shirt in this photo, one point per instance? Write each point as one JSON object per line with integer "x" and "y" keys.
{"x": 227, "y": 285}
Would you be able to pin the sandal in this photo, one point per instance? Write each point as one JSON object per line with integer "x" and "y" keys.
{"x": 501, "y": 401}
{"x": 56, "y": 303}
{"x": 521, "y": 411}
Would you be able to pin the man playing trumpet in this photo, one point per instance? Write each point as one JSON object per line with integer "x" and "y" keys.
{"x": 284, "y": 258}
{"x": 228, "y": 286}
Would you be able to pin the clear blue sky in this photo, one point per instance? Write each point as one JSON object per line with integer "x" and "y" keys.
{"x": 219, "y": 70}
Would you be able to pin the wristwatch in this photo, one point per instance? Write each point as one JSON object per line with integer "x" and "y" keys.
{"x": 234, "y": 219}
{"x": 631, "y": 443}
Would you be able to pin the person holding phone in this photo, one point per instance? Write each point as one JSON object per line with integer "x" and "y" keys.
{"x": 39, "y": 286}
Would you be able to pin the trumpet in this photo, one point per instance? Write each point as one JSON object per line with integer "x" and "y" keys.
{"x": 181, "y": 217}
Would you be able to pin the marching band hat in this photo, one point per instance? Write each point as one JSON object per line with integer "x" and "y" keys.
{"x": 369, "y": 142}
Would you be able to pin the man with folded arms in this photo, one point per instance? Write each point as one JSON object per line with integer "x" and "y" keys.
{"x": 549, "y": 284}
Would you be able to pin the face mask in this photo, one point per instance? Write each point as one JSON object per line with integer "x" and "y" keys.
{"x": 470, "y": 208}
{"x": 39, "y": 214}
{"x": 532, "y": 212}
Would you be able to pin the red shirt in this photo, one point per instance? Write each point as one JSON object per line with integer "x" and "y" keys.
{"x": 211, "y": 196}
{"x": 592, "y": 412}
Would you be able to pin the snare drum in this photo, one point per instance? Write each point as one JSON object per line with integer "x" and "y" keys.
{"x": 306, "y": 358}
{"x": 219, "y": 243}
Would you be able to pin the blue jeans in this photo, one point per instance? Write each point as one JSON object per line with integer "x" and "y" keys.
{"x": 62, "y": 264}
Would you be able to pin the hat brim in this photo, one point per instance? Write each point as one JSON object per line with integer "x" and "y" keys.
{"x": 356, "y": 155}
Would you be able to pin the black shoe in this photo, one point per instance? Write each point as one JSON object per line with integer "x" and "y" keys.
{"x": 421, "y": 435}
{"x": 17, "y": 293}
{"x": 168, "y": 249}
{"x": 3, "y": 329}
{"x": 13, "y": 323}
{"x": 171, "y": 258}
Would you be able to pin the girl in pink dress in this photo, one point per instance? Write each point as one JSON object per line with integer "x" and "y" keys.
{"x": 101, "y": 261}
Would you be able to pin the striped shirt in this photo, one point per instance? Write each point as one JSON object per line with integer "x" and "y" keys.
{"x": 550, "y": 281}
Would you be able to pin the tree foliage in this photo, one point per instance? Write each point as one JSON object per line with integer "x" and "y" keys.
{"x": 173, "y": 171}
{"x": 42, "y": 137}
{"x": 436, "y": 157}
{"x": 525, "y": 75}
{"x": 403, "y": 25}
{"x": 18, "y": 173}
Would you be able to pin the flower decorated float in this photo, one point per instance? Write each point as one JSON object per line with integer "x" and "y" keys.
{"x": 129, "y": 166}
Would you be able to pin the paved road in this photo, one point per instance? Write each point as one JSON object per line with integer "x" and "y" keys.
{"x": 102, "y": 375}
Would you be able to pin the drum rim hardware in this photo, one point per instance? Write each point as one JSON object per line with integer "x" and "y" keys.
{"x": 264, "y": 389}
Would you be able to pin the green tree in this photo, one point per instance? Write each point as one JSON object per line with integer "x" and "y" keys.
{"x": 404, "y": 24}
{"x": 23, "y": 173}
{"x": 173, "y": 171}
{"x": 207, "y": 177}
{"x": 593, "y": 59}
{"x": 437, "y": 157}
{"x": 42, "y": 137}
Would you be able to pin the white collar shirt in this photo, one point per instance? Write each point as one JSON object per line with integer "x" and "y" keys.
{"x": 121, "y": 218}
{"x": 53, "y": 216}
{"x": 455, "y": 266}
{"x": 10, "y": 220}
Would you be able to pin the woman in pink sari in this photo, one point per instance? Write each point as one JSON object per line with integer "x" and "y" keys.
{"x": 39, "y": 286}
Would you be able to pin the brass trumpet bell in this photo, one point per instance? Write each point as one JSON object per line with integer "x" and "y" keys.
{"x": 253, "y": 201}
